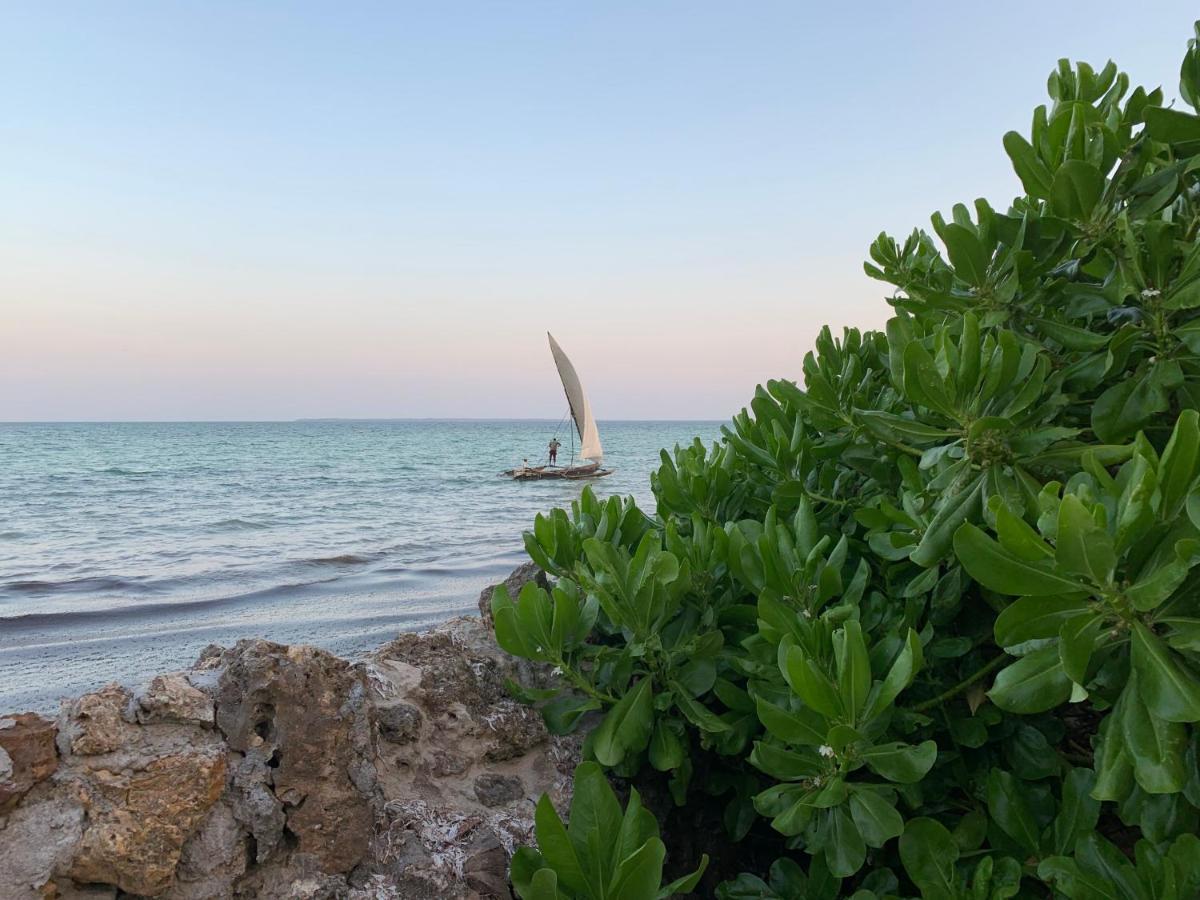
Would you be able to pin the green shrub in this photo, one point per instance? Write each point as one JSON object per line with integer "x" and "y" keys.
{"x": 933, "y": 614}
{"x": 603, "y": 854}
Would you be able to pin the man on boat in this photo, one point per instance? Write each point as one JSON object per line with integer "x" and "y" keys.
{"x": 554, "y": 445}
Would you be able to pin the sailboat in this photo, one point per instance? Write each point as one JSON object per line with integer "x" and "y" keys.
{"x": 590, "y": 451}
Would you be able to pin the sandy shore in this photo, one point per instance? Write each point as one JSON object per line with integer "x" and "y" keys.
{"x": 45, "y": 658}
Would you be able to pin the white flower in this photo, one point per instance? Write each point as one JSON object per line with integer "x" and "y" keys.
{"x": 557, "y": 670}
{"x": 1150, "y": 293}
{"x": 825, "y": 750}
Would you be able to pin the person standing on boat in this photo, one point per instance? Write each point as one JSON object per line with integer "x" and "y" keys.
{"x": 554, "y": 445}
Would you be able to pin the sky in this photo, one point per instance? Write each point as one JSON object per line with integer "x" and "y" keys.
{"x": 285, "y": 210}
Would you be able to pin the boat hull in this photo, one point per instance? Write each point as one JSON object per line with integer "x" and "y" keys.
{"x": 569, "y": 473}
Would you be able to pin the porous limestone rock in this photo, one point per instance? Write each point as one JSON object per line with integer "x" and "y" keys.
{"x": 399, "y": 723}
{"x": 27, "y": 755}
{"x": 38, "y": 839}
{"x": 98, "y": 723}
{"x": 494, "y": 789}
{"x": 138, "y": 821}
{"x": 172, "y": 698}
{"x": 304, "y": 711}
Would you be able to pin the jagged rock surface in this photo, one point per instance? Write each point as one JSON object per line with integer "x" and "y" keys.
{"x": 271, "y": 771}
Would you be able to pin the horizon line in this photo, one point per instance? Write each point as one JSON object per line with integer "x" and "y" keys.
{"x": 332, "y": 420}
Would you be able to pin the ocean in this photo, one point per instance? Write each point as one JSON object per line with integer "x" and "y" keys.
{"x": 126, "y": 548}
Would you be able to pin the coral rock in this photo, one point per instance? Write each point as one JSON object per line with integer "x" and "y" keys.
{"x": 305, "y": 711}
{"x": 138, "y": 821}
{"x": 493, "y": 789}
{"x": 99, "y": 722}
{"x": 27, "y": 755}
{"x": 399, "y": 723}
{"x": 171, "y": 698}
{"x": 37, "y": 839}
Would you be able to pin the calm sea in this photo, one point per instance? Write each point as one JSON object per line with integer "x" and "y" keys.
{"x": 127, "y": 548}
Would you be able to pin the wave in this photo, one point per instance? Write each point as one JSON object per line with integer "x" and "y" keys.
{"x": 121, "y": 470}
{"x": 153, "y": 610}
{"x": 76, "y": 586}
{"x": 235, "y": 525}
{"x": 344, "y": 559}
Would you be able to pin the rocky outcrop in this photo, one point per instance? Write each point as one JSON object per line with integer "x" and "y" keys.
{"x": 271, "y": 771}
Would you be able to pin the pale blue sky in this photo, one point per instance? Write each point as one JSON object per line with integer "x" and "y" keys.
{"x": 272, "y": 210}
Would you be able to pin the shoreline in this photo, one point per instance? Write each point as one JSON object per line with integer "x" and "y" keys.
{"x": 44, "y": 656}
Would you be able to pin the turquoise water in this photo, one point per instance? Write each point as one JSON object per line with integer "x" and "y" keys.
{"x": 126, "y": 548}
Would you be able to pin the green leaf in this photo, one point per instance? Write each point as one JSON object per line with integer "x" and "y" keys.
{"x": 1034, "y": 683}
{"x": 523, "y": 866}
{"x": 1034, "y": 618}
{"x": 1156, "y": 748}
{"x": 595, "y": 823}
{"x": 899, "y": 762}
{"x": 1169, "y": 689}
{"x": 1076, "y": 190}
{"x": 696, "y": 712}
{"x": 1171, "y": 126}
{"x": 686, "y": 883}
{"x": 811, "y": 684}
{"x": 1076, "y": 883}
{"x": 1180, "y": 464}
{"x": 928, "y": 853}
{"x": 1034, "y": 175}
{"x": 908, "y": 663}
{"x": 877, "y": 819}
{"x": 803, "y": 726}
{"x": 638, "y": 825}
{"x": 845, "y": 850}
{"x": 939, "y": 535}
{"x": 1083, "y": 548}
{"x": 783, "y": 764}
{"x": 562, "y": 714}
{"x": 638, "y": 876}
{"x": 508, "y": 632}
{"x": 666, "y": 749}
{"x": 556, "y": 846}
{"x": 543, "y": 886}
{"x": 1010, "y": 810}
{"x": 924, "y": 383}
{"x": 998, "y": 569}
{"x": 899, "y": 429}
{"x": 1132, "y": 403}
{"x": 627, "y": 726}
{"x": 1076, "y": 643}
{"x": 853, "y": 667}
{"x": 1114, "y": 771}
{"x": 697, "y": 677}
{"x": 1078, "y": 812}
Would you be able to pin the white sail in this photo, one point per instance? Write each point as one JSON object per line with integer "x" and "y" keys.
{"x": 581, "y": 410}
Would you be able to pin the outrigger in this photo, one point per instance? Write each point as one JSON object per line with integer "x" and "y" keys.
{"x": 590, "y": 450}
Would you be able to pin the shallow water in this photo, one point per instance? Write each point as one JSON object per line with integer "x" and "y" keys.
{"x": 126, "y": 548}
